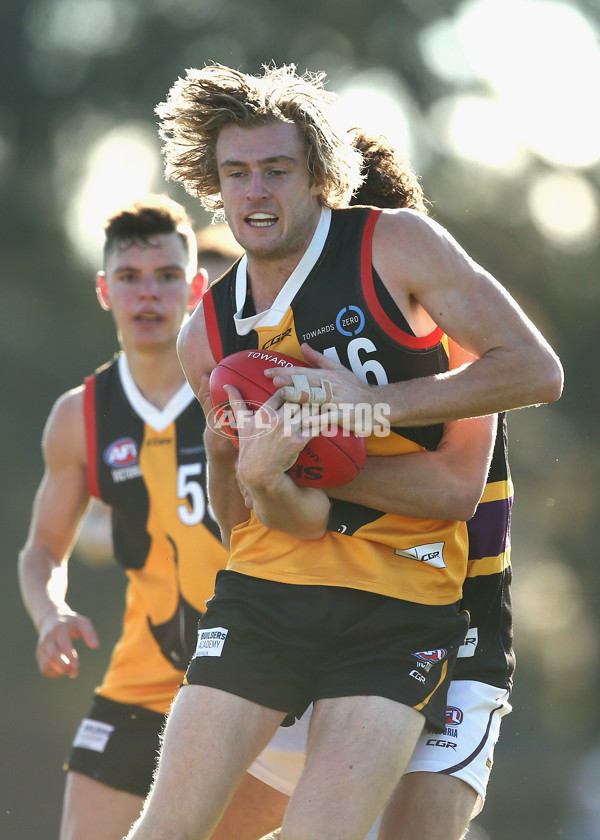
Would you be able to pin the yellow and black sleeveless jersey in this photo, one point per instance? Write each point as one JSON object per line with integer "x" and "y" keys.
{"x": 487, "y": 654}
{"x": 335, "y": 301}
{"x": 149, "y": 466}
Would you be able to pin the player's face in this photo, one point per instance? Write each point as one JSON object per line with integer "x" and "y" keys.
{"x": 148, "y": 289}
{"x": 269, "y": 198}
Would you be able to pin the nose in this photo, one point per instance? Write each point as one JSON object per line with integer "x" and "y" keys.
{"x": 256, "y": 186}
{"x": 148, "y": 285}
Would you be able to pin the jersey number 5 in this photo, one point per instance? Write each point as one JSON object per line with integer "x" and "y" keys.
{"x": 190, "y": 488}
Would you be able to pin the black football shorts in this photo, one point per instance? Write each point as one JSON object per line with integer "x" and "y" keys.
{"x": 117, "y": 744}
{"x": 286, "y": 645}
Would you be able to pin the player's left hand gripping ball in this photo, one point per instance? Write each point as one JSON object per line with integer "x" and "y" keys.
{"x": 328, "y": 460}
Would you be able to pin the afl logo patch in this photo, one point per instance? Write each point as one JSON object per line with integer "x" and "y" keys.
{"x": 350, "y": 321}
{"x": 432, "y": 656}
{"x": 121, "y": 453}
{"x": 454, "y": 716}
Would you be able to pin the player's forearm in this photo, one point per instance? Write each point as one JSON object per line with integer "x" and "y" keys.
{"x": 498, "y": 381}
{"x": 43, "y": 582}
{"x": 412, "y": 485}
{"x": 223, "y": 490}
{"x": 281, "y": 505}
{"x": 227, "y": 503}
{"x": 446, "y": 483}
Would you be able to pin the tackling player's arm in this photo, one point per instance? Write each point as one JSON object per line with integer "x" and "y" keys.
{"x": 224, "y": 493}
{"x": 446, "y": 483}
{"x": 58, "y": 510}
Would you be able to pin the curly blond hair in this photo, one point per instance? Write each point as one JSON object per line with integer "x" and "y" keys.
{"x": 389, "y": 179}
{"x": 200, "y": 105}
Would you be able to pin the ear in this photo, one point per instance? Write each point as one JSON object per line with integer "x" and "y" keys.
{"x": 317, "y": 187}
{"x": 102, "y": 290}
{"x": 198, "y": 287}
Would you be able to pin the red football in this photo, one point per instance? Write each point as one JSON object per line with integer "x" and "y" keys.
{"x": 326, "y": 460}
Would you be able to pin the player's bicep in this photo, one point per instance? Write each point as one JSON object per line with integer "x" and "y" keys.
{"x": 63, "y": 496}
{"x": 424, "y": 263}
{"x": 472, "y": 308}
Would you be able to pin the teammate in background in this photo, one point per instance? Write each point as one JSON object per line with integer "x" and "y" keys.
{"x": 263, "y": 149}
{"x": 217, "y": 250}
{"x": 132, "y": 436}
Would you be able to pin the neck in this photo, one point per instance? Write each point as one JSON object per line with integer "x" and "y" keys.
{"x": 266, "y": 281}
{"x": 268, "y": 274}
{"x": 158, "y": 375}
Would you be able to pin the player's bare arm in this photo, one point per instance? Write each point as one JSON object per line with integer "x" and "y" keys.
{"x": 197, "y": 362}
{"x": 59, "y": 507}
{"x": 423, "y": 266}
{"x": 434, "y": 281}
{"x": 263, "y": 460}
{"x": 445, "y": 483}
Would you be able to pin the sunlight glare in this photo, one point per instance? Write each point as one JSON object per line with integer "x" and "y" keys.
{"x": 378, "y": 101}
{"x": 564, "y": 208}
{"x": 121, "y": 167}
{"x": 542, "y": 59}
{"x": 478, "y": 128}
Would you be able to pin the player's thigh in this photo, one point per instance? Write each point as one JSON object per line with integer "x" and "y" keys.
{"x": 260, "y": 801}
{"x": 281, "y": 763}
{"x": 357, "y": 750}
{"x": 255, "y": 810}
{"x": 95, "y": 811}
{"x": 465, "y": 750}
{"x": 428, "y": 806}
{"x": 210, "y": 739}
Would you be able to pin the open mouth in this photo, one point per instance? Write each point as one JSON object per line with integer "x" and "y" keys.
{"x": 148, "y": 317}
{"x": 261, "y": 220}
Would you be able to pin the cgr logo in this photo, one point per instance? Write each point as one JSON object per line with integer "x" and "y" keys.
{"x": 454, "y": 716}
{"x": 417, "y": 676}
{"x": 469, "y": 646}
{"x": 276, "y": 339}
{"x": 437, "y": 742}
{"x": 430, "y": 553}
{"x": 121, "y": 453}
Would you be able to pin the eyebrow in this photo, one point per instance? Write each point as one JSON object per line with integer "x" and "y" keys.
{"x": 262, "y": 162}
{"x": 174, "y": 267}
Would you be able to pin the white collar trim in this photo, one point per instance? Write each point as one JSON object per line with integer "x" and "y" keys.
{"x": 272, "y": 316}
{"x": 156, "y": 418}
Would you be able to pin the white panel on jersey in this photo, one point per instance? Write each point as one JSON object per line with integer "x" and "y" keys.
{"x": 272, "y": 316}
{"x": 155, "y": 417}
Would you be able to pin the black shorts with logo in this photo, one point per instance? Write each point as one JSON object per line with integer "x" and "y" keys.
{"x": 117, "y": 744}
{"x": 285, "y": 645}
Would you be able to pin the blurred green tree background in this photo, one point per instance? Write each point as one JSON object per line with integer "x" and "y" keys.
{"x": 495, "y": 102}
